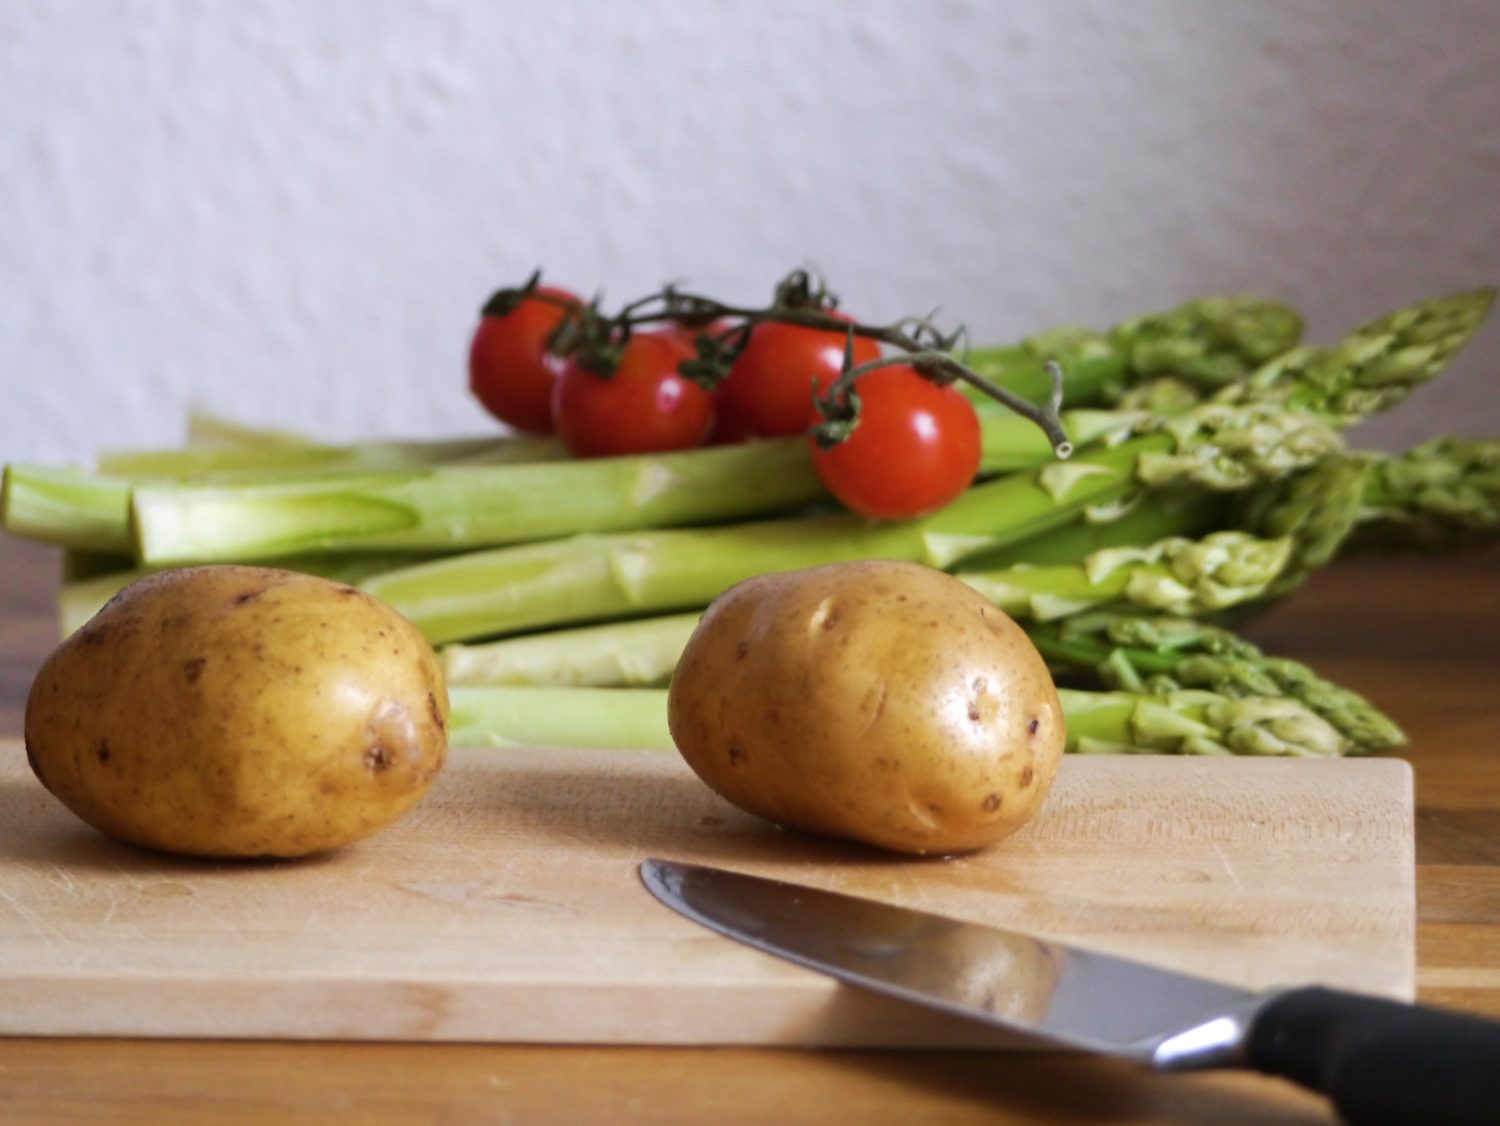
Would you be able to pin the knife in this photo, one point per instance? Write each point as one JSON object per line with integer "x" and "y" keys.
{"x": 1379, "y": 1061}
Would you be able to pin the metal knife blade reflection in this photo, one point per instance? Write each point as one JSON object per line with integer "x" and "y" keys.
{"x": 1380, "y": 1061}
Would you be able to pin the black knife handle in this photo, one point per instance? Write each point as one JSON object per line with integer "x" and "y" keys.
{"x": 1381, "y": 1061}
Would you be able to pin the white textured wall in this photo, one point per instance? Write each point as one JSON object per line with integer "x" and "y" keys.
{"x": 288, "y": 211}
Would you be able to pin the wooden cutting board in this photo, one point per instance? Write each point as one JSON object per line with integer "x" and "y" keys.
{"x": 508, "y": 906}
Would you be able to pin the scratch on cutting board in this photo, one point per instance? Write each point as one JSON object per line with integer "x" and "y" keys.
{"x": 38, "y": 924}
{"x": 1224, "y": 862}
{"x": 1198, "y": 773}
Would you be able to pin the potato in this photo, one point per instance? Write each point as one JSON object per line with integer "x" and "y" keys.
{"x": 230, "y": 711}
{"x": 875, "y": 701}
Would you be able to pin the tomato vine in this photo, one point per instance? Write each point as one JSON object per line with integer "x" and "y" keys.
{"x": 715, "y": 344}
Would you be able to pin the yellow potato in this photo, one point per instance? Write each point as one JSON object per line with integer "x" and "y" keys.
{"x": 232, "y": 711}
{"x": 874, "y": 701}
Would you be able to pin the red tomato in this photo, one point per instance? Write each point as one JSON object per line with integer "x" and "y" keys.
{"x": 770, "y": 386}
{"x": 728, "y": 429}
{"x": 915, "y": 448}
{"x": 643, "y": 407}
{"x": 511, "y": 372}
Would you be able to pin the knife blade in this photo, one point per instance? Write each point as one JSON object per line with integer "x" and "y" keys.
{"x": 1379, "y": 1061}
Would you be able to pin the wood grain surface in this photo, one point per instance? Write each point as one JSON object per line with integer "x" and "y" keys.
{"x": 1421, "y": 636}
{"x": 507, "y": 907}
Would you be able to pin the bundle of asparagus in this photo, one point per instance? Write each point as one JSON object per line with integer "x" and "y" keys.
{"x": 1210, "y": 476}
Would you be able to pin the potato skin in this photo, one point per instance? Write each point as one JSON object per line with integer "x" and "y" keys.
{"x": 876, "y": 701}
{"x": 233, "y": 711}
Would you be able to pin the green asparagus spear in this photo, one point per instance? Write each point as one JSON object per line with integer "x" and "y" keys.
{"x": 1314, "y": 509}
{"x": 1209, "y": 341}
{"x": 561, "y": 582}
{"x": 637, "y": 653}
{"x": 1243, "y": 349}
{"x": 1196, "y": 722}
{"x": 1179, "y": 576}
{"x": 263, "y": 502}
{"x": 1372, "y": 369}
{"x": 68, "y": 507}
{"x": 458, "y": 507}
{"x": 1164, "y": 512}
{"x": 1189, "y": 721}
{"x": 552, "y": 716}
{"x": 1375, "y": 367}
{"x": 1448, "y": 492}
{"x": 1155, "y": 654}
{"x": 1442, "y": 493}
{"x": 461, "y": 507}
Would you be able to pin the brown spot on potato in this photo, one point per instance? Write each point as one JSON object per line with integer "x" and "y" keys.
{"x": 979, "y": 686}
{"x": 1031, "y": 725}
{"x": 991, "y": 803}
{"x": 378, "y": 759}
{"x": 102, "y": 751}
{"x": 434, "y": 711}
{"x": 245, "y": 596}
{"x": 737, "y": 753}
{"x": 192, "y": 669}
{"x": 1027, "y": 777}
{"x": 741, "y": 650}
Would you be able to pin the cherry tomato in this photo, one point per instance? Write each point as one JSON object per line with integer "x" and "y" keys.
{"x": 770, "y": 386}
{"x": 645, "y": 406}
{"x": 728, "y": 429}
{"x": 511, "y": 372}
{"x": 915, "y": 448}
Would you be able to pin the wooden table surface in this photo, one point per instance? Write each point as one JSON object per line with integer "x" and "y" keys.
{"x": 1420, "y": 636}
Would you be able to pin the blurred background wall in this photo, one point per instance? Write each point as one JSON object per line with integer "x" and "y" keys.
{"x": 289, "y": 211}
